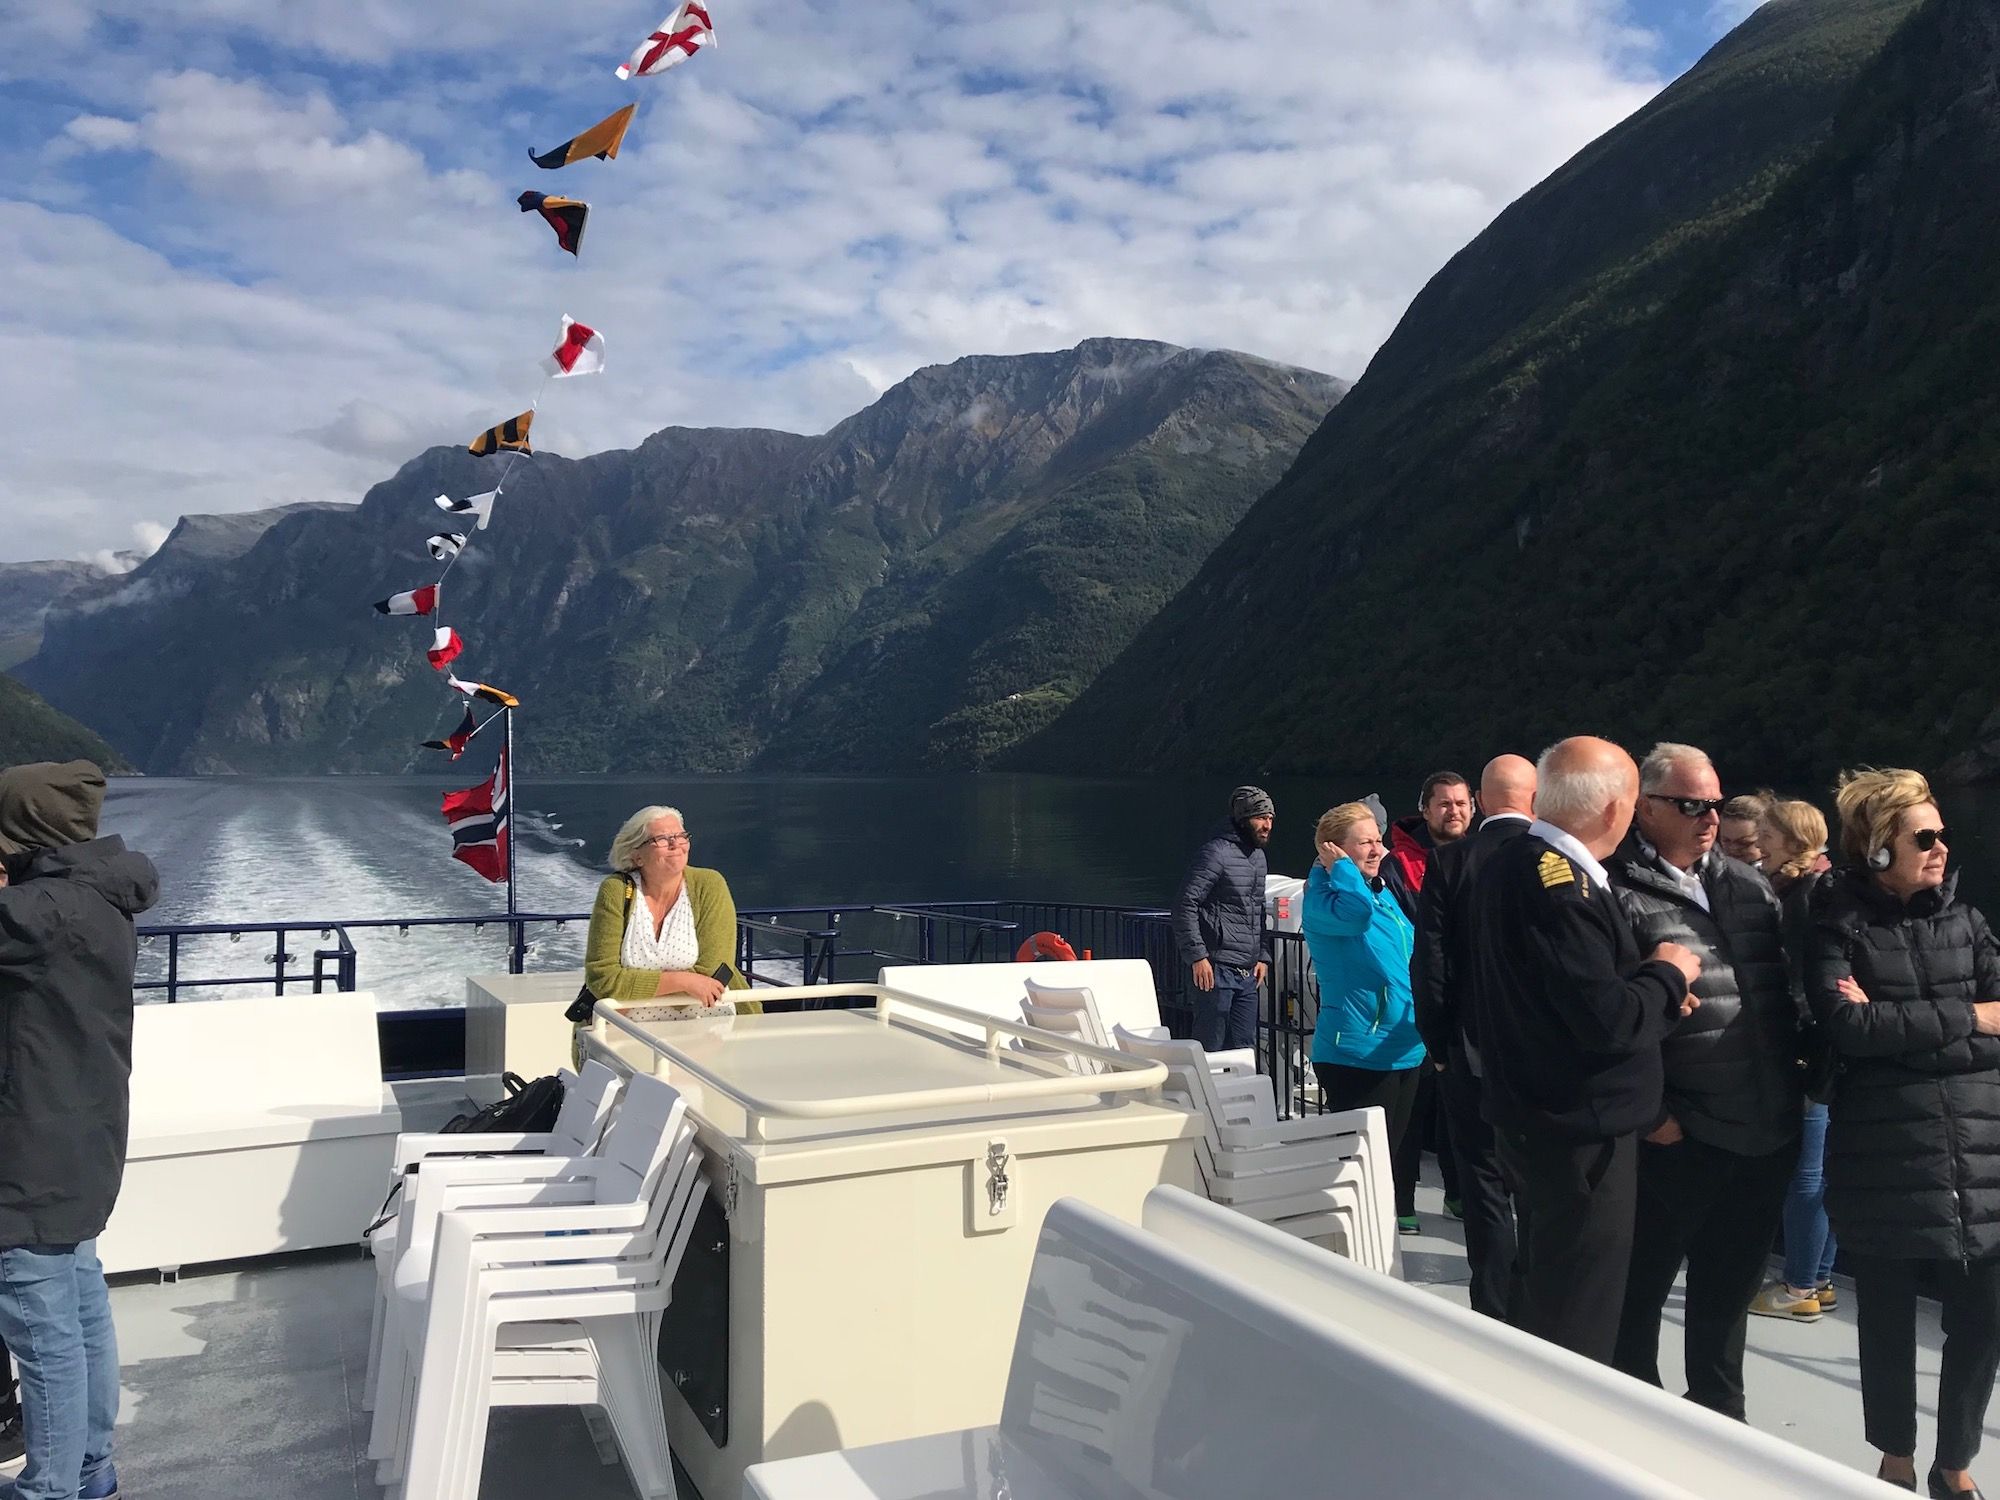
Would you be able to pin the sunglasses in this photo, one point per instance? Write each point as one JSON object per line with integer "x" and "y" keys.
{"x": 1690, "y": 807}
{"x": 1927, "y": 839}
{"x": 667, "y": 840}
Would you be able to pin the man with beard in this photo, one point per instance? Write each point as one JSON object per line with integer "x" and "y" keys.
{"x": 1219, "y": 923}
{"x": 1443, "y": 818}
{"x": 1443, "y": 969}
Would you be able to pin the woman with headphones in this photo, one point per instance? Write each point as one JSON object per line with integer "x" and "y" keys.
{"x": 1905, "y": 979}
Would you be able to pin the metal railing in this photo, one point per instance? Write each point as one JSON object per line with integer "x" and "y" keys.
{"x": 816, "y": 945}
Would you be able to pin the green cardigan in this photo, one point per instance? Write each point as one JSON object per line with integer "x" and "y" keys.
{"x": 714, "y": 927}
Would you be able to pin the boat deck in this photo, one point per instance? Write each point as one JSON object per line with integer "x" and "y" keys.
{"x": 247, "y": 1382}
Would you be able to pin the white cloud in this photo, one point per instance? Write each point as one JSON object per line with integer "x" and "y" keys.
{"x": 230, "y": 289}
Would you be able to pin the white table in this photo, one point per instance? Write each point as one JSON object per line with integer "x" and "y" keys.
{"x": 858, "y": 1274}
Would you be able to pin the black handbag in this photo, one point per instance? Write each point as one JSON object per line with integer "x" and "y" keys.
{"x": 1819, "y": 1063}
{"x": 581, "y": 1008}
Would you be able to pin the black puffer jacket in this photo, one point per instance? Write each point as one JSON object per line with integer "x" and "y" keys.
{"x": 1913, "y": 1148}
{"x": 1219, "y": 909}
{"x": 1732, "y": 1066}
{"x": 67, "y": 952}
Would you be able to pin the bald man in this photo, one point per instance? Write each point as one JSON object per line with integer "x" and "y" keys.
{"x": 1569, "y": 1017}
{"x": 1442, "y": 970}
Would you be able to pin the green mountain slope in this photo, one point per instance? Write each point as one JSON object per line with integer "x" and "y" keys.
{"x": 876, "y": 596}
{"x": 1729, "y": 481}
{"x": 31, "y": 730}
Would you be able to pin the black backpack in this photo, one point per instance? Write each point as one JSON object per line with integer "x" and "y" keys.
{"x": 523, "y": 1106}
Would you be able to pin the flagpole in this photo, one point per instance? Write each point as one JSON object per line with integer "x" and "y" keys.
{"x": 518, "y": 948}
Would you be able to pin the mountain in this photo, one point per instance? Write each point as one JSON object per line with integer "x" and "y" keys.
{"x": 31, "y": 730}
{"x": 27, "y": 589}
{"x": 933, "y": 577}
{"x": 1700, "y": 439}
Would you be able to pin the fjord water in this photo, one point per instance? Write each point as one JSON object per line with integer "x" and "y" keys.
{"x": 248, "y": 849}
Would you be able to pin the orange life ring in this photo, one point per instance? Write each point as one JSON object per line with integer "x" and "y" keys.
{"x": 1043, "y": 945}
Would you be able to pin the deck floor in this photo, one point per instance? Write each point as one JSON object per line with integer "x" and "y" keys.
{"x": 247, "y": 1383}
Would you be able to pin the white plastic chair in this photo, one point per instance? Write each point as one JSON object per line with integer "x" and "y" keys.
{"x": 588, "y": 1099}
{"x": 1246, "y": 1094}
{"x": 544, "y": 1292}
{"x": 1319, "y": 1177}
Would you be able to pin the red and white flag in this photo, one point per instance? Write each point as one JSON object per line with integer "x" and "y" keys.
{"x": 580, "y": 351}
{"x": 478, "y": 821}
{"x": 684, "y": 32}
{"x": 421, "y": 601}
{"x": 446, "y": 648}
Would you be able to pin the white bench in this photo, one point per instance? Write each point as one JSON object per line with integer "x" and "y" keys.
{"x": 258, "y": 1126}
{"x": 1208, "y": 1357}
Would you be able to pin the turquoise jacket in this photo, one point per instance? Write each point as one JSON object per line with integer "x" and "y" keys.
{"x": 1360, "y": 943}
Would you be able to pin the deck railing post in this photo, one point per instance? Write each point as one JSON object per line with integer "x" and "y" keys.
{"x": 278, "y": 959}
{"x": 173, "y": 967}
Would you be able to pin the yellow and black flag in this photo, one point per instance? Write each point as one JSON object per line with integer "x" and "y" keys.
{"x": 491, "y": 694}
{"x": 601, "y": 141}
{"x": 565, "y": 216}
{"x": 511, "y": 435}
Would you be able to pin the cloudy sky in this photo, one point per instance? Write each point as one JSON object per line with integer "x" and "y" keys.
{"x": 265, "y": 250}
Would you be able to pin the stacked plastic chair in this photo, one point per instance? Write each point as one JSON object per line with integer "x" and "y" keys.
{"x": 1072, "y": 1010}
{"x": 588, "y": 1099}
{"x": 1324, "y": 1178}
{"x": 548, "y": 1290}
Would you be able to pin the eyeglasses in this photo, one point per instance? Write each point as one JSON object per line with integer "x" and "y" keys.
{"x": 1927, "y": 839}
{"x": 1690, "y": 807}
{"x": 669, "y": 840}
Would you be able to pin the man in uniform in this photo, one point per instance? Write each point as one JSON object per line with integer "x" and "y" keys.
{"x": 1442, "y": 970}
{"x": 1570, "y": 1017}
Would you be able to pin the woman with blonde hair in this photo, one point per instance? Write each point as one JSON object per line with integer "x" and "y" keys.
{"x": 661, "y": 926}
{"x": 1365, "y": 1047}
{"x": 1791, "y": 837}
{"x": 1905, "y": 982}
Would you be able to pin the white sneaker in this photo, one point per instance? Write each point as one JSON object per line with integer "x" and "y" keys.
{"x": 1779, "y": 1301}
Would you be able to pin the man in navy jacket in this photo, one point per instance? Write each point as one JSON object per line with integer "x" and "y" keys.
{"x": 1219, "y": 924}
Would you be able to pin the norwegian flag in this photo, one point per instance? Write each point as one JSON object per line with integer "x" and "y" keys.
{"x": 684, "y": 32}
{"x": 478, "y": 821}
{"x": 421, "y": 601}
{"x": 446, "y": 648}
{"x": 580, "y": 351}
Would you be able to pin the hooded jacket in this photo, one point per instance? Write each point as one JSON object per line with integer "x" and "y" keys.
{"x": 1913, "y": 1140}
{"x": 1360, "y": 943}
{"x": 1732, "y": 1066}
{"x": 1411, "y": 849}
{"x": 1219, "y": 909}
{"x": 67, "y": 953}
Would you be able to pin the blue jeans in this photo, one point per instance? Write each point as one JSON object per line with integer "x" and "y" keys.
{"x": 1809, "y": 1246}
{"x": 55, "y": 1314}
{"x": 1226, "y": 1016}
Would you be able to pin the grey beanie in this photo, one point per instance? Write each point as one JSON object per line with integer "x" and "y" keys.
{"x": 1250, "y": 802}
